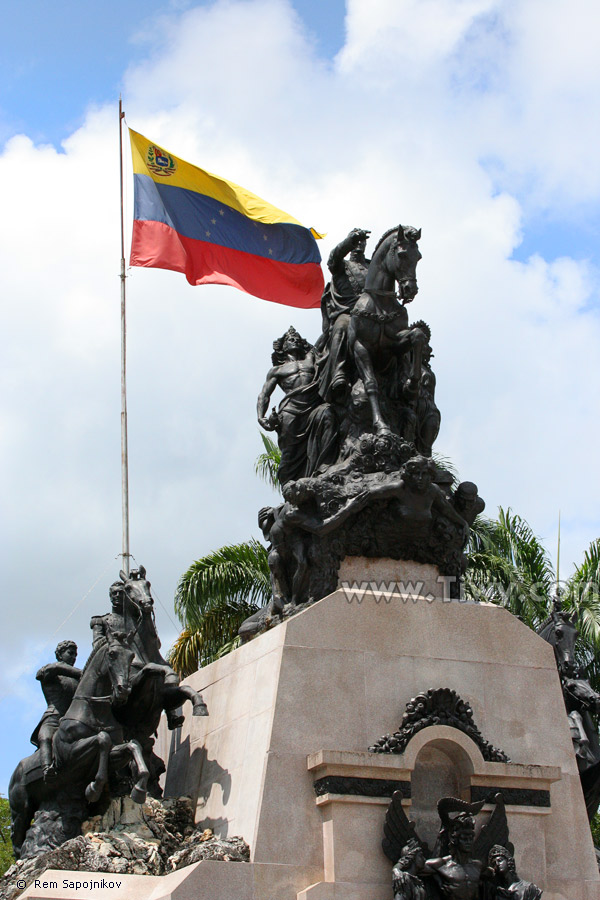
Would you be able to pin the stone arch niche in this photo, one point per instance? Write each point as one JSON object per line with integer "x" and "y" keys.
{"x": 442, "y": 768}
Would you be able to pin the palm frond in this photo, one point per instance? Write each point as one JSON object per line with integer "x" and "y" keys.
{"x": 216, "y": 594}
{"x": 445, "y": 463}
{"x": 191, "y": 650}
{"x": 185, "y": 652}
{"x": 481, "y": 535}
{"x": 268, "y": 463}
{"x": 236, "y": 573}
{"x": 586, "y": 578}
{"x": 509, "y": 566}
{"x": 229, "y": 646}
{"x": 582, "y": 594}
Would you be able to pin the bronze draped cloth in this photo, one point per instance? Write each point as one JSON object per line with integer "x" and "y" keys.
{"x": 307, "y": 434}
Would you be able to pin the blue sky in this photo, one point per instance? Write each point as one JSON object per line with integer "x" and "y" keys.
{"x": 58, "y": 58}
{"x": 474, "y": 119}
{"x": 577, "y": 236}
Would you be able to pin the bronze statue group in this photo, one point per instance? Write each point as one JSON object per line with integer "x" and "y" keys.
{"x": 463, "y": 865}
{"x": 355, "y": 428}
{"x": 97, "y": 734}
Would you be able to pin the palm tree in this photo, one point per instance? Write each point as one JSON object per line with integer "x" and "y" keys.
{"x": 583, "y": 595}
{"x": 509, "y": 566}
{"x": 216, "y": 594}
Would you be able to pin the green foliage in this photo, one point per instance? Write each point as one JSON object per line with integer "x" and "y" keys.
{"x": 595, "y": 826}
{"x": 216, "y": 594}
{"x": 583, "y": 595}
{"x": 268, "y": 462}
{"x": 6, "y": 852}
{"x": 509, "y": 566}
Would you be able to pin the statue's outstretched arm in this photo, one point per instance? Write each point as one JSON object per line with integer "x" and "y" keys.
{"x": 335, "y": 263}
{"x": 323, "y": 526}
{"x": 432, "y": 865}
{"x": 386, "y": 490}
{"x": 352, "y": 506}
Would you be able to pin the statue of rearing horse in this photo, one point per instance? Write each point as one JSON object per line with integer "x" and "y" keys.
{"x": 89, "y": 742}
{"x": 379, "y": 328}
{"x": 107, "y": 730}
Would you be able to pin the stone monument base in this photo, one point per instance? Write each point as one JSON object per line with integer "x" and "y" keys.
{"x": 282, "y": 759}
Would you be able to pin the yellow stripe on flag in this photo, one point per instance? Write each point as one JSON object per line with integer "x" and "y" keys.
{"x": 164, "y": 168}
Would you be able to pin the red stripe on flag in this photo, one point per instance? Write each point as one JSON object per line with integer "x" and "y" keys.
{"x": 156, "y": 245}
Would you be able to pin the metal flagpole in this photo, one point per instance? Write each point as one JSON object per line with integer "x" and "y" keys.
{"x": 124, "y": 460}
{"x": 558, "y": 558}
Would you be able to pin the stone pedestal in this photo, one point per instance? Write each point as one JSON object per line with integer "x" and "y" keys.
{"x": 282, "y": 758}
{"x": 304, "y": 701}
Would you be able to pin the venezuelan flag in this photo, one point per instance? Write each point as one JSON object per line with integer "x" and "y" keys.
{"x": 216, "y": 232}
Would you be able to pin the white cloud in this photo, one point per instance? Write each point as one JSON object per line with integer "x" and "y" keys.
{"x": 396, "y": 129}
{"x": 406, "y": 37}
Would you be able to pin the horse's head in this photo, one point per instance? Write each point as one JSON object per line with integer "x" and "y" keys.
{"x": 584, "y": 695}
{"x": 407, "y": 254}
{"x": 137, "y": 589}
{"x": 560, "y": 630}
{"x": 119, "y": 657}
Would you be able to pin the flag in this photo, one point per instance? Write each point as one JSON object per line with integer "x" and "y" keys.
{"x": 215, "y": 232}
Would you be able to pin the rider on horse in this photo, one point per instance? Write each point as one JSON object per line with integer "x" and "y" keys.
{"x": 347, "y": 284}
{"x": 59, "y": 682}
{"x": 145, "y": 650}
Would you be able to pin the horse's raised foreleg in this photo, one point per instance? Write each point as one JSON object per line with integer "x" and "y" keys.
{"x": 364, "y": 365}
{"x": 76, "y": 756}
{"x": 132, "y": 752}
{"x": 103, "y": 744}
{"x": 174, "y": 696}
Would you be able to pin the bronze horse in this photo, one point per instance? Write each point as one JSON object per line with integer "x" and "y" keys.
{"x": 147, "y": 646}
{"x": 88, "y": 743}
{"x": 141, "y": 714}
{"x": 581, "y": 700}
{"x": 379, "y": 329}
{"x": 560, "y": 630}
